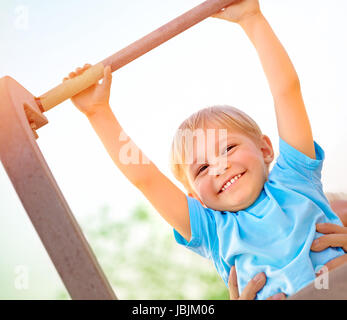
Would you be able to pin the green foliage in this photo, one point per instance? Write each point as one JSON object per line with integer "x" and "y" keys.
{"x": 142, "y": 260}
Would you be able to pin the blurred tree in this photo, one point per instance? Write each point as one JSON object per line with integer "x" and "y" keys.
{"x": 142, "y": 261}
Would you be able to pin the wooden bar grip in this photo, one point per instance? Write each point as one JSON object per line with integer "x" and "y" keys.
{"x": 71, "y": 87}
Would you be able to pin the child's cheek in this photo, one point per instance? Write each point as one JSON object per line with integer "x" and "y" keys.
{"x": 236, "y": 161}
{"x": 203, "y": 187}
{"x": 244, "y": 157}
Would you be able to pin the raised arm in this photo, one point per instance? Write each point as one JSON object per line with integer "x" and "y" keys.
{"x": 292, "y": 120}
{"x": 166, "y": 198}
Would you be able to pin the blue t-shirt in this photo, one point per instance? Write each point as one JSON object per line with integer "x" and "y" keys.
{"x": 273, "y": 235}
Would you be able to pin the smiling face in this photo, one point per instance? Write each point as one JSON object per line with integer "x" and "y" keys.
{"x": 231, "y": 178}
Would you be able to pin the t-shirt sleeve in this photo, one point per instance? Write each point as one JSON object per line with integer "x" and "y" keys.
{"x": 203, "y": 229}
{"x": 291, "y": 161}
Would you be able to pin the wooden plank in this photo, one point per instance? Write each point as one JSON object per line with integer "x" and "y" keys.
{"x": 41, "y": 197}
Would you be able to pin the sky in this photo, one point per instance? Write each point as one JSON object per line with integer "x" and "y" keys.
{"x": 211, "y": 63}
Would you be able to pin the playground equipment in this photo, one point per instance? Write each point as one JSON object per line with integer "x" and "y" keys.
{"x": 22, "y": 114}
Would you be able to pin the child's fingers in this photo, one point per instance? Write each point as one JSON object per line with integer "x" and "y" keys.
{"x": 86, "y": 66}
{"x": 79, "y": 71}
{"x": 218, "y": 14}
{"x": 107, "y": 71}
{"x": 107, "y": 77}
{"x": 72, "y": 74}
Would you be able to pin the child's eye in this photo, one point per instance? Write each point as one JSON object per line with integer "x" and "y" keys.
{"x": 201, "y": 169}
{"x": 229, "y": 148}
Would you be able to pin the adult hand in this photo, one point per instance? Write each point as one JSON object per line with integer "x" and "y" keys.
{"x": 335, "y": 236}
{"x": 251, "y": 289}
{"x": 339, "y": 206}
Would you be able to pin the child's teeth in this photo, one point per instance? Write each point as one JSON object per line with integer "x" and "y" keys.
{"x": 229, "y": 183}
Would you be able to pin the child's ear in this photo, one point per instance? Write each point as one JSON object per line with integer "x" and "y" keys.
{"x": 267, "y": 149}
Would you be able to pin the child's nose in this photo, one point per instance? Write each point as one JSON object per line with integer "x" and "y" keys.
{"x": 220, "y": 172}
{"x": 220, "y": 168}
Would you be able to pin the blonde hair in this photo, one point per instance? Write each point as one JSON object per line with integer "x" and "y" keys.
{"x": 223, "y": 115}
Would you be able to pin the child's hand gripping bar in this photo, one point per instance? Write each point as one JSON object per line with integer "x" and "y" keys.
{"x": 71, "y": 87}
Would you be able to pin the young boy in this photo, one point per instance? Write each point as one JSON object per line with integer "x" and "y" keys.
{"x": 236, "y": 212}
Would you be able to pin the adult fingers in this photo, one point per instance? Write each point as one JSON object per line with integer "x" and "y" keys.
{"x": 329, "y": 240}
{"x": 253, "y": 287}
{"x": 232, "y": 283}
{"x": 332, "y": 264}
{"x": 330, "y": 228}
{"x": 277, "y": 296}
